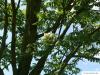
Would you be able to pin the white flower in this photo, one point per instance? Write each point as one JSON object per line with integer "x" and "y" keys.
{"x": 49, "y": 38}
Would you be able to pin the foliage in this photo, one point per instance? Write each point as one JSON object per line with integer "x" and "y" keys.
{"x": 49, "y": 36}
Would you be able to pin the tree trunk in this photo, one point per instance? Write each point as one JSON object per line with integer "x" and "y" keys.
{"x": 29, "y": 38}
{"x": 13, "y": 42}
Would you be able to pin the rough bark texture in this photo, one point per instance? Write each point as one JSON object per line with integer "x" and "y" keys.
{"x": 13, "y": 42}
{"x": 29, "y": 37}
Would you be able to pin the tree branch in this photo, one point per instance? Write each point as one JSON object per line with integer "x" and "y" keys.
{"x": 67, "y": 8}
{"x": 68, "y": 57}
{"x": 29, "y": 37}
{"x": 53, "y": 29}
{"x": 3, "y": 44}
{"x": 91, "y": 58}
{"x": 13, "y": 42}
{"x": 39, "y": 66}
{"x": 18, "y": 5}
{"x": 1, "y": 72}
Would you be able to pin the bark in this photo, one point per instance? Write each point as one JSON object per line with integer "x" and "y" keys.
{"x": 13, "y": 42}
{"x": 29, "y": 38}
{"x": 39, "y": 66}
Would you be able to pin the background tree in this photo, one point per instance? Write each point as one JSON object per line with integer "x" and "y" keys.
{"x": 41, "y": 41}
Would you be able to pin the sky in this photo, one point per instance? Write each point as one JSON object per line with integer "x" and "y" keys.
{"x": 83, "y": 65}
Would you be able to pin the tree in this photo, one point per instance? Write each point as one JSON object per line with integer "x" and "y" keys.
{"x": 40, "y": 39}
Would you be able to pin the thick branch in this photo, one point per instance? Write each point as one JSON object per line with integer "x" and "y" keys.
{"x": 39, "y": 66}
{"x": 13, "y": 42}
{"x": 29, "y": 38}
{"x": 18, "y": 5}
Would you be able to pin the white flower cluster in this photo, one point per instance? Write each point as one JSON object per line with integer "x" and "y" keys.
{"x": 49, "y": 38}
